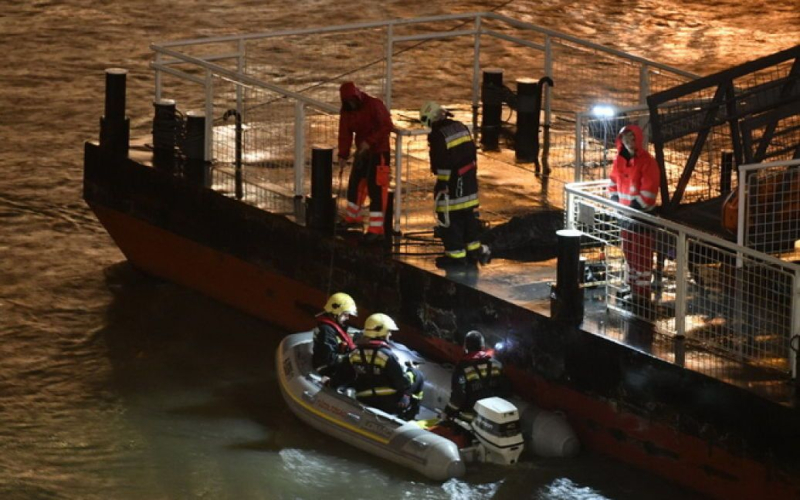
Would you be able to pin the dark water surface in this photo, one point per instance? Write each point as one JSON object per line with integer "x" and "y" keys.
{"x": 117, "y": 385}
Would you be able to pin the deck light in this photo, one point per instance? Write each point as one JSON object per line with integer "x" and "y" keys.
{"x": 603, "y": 111}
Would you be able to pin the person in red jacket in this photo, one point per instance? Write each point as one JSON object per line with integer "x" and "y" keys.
{"x": 366, "y": 118}
{"x": 635, "y": 181}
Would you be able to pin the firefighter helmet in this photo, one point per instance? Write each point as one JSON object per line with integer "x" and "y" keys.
{"x": 341, "y": 303}
{"x": 378, "y": 326}
{"x": 430, "y": 112}
{"x": 474, "y": 341}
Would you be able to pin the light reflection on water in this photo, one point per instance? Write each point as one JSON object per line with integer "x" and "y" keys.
{"x": 115, "y": 385}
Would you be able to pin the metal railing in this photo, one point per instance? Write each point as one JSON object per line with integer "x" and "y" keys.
{"x": 706, "y": 291}
{"x": 284, "y": 85}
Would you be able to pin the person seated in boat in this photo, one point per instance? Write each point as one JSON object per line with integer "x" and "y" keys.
{"x": 476, "y": 376}
{"x": 332, "y": 342}
{"x": 378, "y": 377}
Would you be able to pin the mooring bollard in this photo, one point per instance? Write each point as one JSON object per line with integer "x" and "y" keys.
{"x": 526, "y": 140}
{"x": 566, "y": 298}
{"x": 114, "y": 125}
{"x": 165, "y": 128}
{"x": 492, "y": 102}
{"x": 321, "y": 206}
{"x": 193, "y": 148}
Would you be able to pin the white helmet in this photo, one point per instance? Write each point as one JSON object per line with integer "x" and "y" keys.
{"x": 430, "y": 112}
{"x": 378, "y": 326}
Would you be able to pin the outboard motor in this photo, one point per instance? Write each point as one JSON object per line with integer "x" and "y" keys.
{"x": 498, "y": 430}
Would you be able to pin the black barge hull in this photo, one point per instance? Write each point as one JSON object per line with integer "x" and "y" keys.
{"x": 711, "y": 437}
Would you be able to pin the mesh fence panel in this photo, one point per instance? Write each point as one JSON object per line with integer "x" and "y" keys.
{"x": 772, "y": 205}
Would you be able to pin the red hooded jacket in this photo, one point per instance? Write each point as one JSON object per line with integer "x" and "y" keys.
{"x": 635, "y": 178}
{"x": 371, "y": 122}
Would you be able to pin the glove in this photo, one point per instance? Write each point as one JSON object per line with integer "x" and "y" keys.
{"x": 615, "y": 198}
{"x": 404, "y": 402}
{"x": 636, "y": 205}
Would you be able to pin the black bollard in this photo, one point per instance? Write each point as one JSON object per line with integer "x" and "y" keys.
{"x": 566, "y": 299}
{"x": 492, "y": 101}
{"x": 321, "y": 206}
{"x": 165, "y": 126}
{"x": 194, "y": 149}
{"x": 114, "y": 125}
{"x": 526, "y": 140}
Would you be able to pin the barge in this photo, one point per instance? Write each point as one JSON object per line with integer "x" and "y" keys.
{"x": 201, "y": 220}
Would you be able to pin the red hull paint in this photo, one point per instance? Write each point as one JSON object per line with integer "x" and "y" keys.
{"x": 601, "y": 426}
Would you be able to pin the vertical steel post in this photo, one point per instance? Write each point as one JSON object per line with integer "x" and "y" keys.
{"x": 398, "y": 180}
{"x": 566, "y": 299}
{"x": 578, "y": 177}
{"x": 114, "y": 124}
{"x": 476, "y": 71}
{"x": 299, "y": 147}
{"x": 389, "y": 62}
{"x": 209, "y": 136}
{"x": 681, "y": 261}
{"x": 158, "y": 83}
{"x": 794, "y": 334}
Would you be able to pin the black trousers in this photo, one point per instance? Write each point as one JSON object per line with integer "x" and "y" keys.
{"x": 463, "y": 235}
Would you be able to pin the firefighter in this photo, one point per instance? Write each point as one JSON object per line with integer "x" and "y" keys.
{"x": 635, "y": 181}
{"x": 332, "y": 343}
{"x": 380, "y": 381}
{"x": 476, "y": 376}
{"x": 367, "y": 118}
{"x": 453, "y": 158}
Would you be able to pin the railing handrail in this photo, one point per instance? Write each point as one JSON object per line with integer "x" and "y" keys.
{"x": 777, "y": 163}
{"x": 574, "y": 189}
{"x": 430, "y": 19}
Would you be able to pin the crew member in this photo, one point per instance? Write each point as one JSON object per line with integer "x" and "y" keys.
{"x": 635, "y": 181}
{"x": 476, "y": 376}
{"x": 367, "y": 118}
{"x": 380, "y": 380}
{"x": 332, "y": 343}
{"x": 454, "y": 162}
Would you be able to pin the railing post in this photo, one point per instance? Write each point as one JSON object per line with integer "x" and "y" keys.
{"x": 794, "y": 334}
{"x": 398, "y": 180}
{"x": 157, "y": 78}
{"x": 239, "y": 89}
{"x": 209, "y": 136}
{"x": 644, "y": 91}
{"x": 299, "y": 146}
{"x": 476, "y": 71}
{"x": 389, "y": 50}
{"x": 578, "y": 177}
{"x": 743, "y": 179}
{"x": 681, "y": 257}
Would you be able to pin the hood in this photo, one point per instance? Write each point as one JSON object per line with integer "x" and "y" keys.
{"x": 348, "y": 90}
{"x": 638, "y": 136}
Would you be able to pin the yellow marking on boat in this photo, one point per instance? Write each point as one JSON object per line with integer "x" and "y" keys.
{"x": 370, "y": 435}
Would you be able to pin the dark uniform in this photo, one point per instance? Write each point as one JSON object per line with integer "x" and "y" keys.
{"x": 476, "y": 376}
{"x": 453, "y": 158}
{"x": 331, "y": 345}
{"x": 382, "y": 382}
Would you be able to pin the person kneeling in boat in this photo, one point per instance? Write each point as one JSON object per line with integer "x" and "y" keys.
{"x": 332, "y": 342}
{"x": 476, "y": 376}
{"x": 381, "y": 381}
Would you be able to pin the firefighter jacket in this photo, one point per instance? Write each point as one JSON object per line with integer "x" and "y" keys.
{"x": 454, "y": 163}
{"x": 635, "y": 179}
{"x": 378, "y": 371}
{"x": 331, "y": 345}
{"x": 371, "y": 122}
{"x": 478, "y": 375}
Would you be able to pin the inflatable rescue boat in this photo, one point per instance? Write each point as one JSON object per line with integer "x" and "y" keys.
{"x": 501, "y": 429}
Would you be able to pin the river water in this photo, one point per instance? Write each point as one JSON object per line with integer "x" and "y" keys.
{"x": 117, "y": 385}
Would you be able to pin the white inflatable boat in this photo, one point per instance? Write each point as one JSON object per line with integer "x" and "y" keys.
{"x": 501, "y": 428}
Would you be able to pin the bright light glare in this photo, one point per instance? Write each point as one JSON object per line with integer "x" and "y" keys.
{"x": 603, "y": 111}
{"x": 499, "y": 346}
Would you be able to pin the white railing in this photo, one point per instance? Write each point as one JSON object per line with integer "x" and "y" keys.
{"x": 706, "y": 290}
{"x": 246, "y": 73}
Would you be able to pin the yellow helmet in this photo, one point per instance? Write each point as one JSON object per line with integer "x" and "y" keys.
{"x": 430, "y": 112}
{"x": 378, "y": 326}
{"x": 341, "y": 303}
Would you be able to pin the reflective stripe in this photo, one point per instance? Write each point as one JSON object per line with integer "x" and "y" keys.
{"x": 458, "y": 203}
{"x": 376, "y": 391}
{"x": 472, "y": 374}
{"x": 459, "y": 141}
{"x": 380, "y": 357}
{"x": 473, "y": 245}
{"x": 456, "y": 254}
{"x": 466, "y": 168}
{"x": 443, "y": 177}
